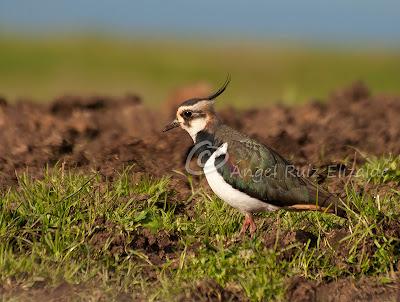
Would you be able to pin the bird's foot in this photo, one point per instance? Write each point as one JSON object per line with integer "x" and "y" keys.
{"x": 248, "y": 223}
{"x": 253, "y": 227}
{"x": 245, "y": 226}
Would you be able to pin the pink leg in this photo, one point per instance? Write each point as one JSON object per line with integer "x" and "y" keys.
{"x": 253, "y": 226}
{"x": 248, "y": 222}
{"x": 245, "y": 226}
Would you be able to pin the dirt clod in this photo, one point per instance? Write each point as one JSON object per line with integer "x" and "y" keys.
{"x": 210, "y": 290}
{"x": 344, "y": 290}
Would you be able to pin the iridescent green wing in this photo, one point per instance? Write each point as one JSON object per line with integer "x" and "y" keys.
{"x": 263, "y": 174}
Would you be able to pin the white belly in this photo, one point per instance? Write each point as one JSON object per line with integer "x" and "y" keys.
{"x": 227, "y": 193}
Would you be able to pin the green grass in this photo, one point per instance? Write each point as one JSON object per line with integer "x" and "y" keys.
{"x": 49, "y": 232}
{"x": 382, "y": 170}
{"x": 262, "y": 72}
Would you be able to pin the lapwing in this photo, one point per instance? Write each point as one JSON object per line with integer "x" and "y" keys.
{"x": 246, "y": 174}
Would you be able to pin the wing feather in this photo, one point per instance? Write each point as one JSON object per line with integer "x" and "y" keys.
{"x": 262, "y": 173}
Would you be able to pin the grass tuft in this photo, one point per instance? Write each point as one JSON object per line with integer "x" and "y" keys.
{"x": 127, "y": 236}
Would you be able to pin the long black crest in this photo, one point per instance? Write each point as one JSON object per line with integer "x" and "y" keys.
{"x": 220, "y": 90}
{"x": 210, "y": 97}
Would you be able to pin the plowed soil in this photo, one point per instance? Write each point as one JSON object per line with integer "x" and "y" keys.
{"x": 105, "y": 134}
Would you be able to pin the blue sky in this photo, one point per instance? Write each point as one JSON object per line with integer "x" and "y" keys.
{"x": 314, "y": 20}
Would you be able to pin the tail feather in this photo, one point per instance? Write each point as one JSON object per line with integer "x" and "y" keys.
{"x": 325, "y": 200}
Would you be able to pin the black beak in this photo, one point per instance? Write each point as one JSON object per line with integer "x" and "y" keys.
{"x": 171, "y": 125}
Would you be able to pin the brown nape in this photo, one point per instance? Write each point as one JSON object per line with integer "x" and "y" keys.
{"x": 212, "y": 121}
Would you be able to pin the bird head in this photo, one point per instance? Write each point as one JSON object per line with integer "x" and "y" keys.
{"x": 197, "y": 114}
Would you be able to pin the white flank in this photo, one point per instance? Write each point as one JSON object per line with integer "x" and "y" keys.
{"x": 227, "y": 193}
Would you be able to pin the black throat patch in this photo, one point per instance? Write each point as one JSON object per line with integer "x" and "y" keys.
{"x": 204, "y": 146}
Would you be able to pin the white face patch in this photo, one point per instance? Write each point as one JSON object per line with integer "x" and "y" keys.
{"x": 195, "y": 126}
{"x": 196, "y": 123}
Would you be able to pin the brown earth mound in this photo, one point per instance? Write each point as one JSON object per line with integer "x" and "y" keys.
{"x": 105, "y": 133}
{"x": 344, "y": 290}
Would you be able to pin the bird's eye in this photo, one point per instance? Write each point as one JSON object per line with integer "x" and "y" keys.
{"x": 187, "y": 114}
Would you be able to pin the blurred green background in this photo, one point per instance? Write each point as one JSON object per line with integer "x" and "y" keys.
{"x": 275, "y": 51}
{"x": 261, "y": 72}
